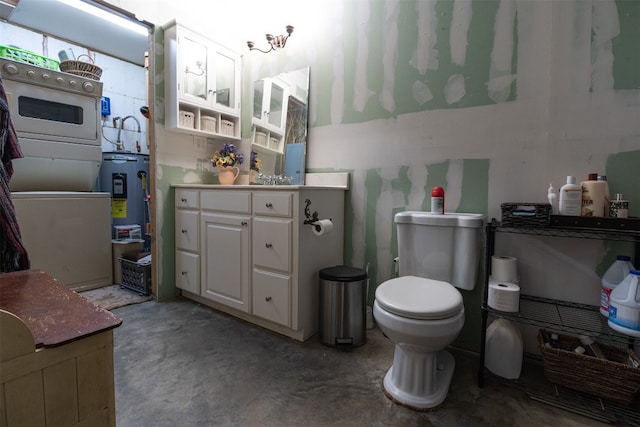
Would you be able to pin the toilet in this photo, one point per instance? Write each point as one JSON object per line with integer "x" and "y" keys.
{"x": 421, "y": 311}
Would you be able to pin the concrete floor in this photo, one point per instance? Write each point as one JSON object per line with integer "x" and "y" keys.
{"x": 179, "y": 363}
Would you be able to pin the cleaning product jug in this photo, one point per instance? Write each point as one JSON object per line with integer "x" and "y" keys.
{"x": 503, "y": 354}
{"x": 624, "y": 307}
{"x": 611, "y": 278}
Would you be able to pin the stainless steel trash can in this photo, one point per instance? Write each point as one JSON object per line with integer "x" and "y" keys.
{"x": 343, "y": 294}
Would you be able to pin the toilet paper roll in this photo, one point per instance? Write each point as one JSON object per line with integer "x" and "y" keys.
{"x": 504, "y": 268}
{"x": 504, "y": 296}
{"x": 322, "y": 226}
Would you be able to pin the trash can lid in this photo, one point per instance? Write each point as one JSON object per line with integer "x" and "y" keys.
{"x": 343, "y": 273}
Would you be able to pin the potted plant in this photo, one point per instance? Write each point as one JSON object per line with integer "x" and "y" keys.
{"x": 226, "y": 159}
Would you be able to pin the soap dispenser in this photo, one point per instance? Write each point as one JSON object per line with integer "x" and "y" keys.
{"x": 570, "y": 198}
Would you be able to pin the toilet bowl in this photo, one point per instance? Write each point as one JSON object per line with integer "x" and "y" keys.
{"x": 421, "y": 311}
{"x": 422, "y": 369}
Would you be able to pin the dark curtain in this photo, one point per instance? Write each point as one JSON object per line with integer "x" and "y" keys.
{"x": 13, "y": 255}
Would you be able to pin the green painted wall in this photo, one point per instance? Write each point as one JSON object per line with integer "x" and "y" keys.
{"x": 564, "y": 123}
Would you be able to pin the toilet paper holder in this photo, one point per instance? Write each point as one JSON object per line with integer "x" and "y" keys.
{"x": 311, "y": 219}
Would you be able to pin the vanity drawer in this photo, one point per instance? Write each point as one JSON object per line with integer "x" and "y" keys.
{"x": 226, "y": 201}
{"x": 272, "y": 243}
{"x": 187, "y": 230}
{"x": 272, "y": 203}
{"x": 188, "y": 271}
{"x": 187, "y": 199}
{"x": 271, "y": 296}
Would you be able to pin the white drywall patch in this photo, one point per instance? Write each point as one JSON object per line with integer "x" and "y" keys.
{"x": 337, "y": 84}
{"x": 459, "y": 31}
{"x": 455, "y": 89}
{"x": 361, "y": 92}
{"x": 421, "y": 93}
{"x": 425, "y": 56}
{"x": 502, "y": 52}
{"x": 390, "y": 54}
{"x": 605, "y": 26}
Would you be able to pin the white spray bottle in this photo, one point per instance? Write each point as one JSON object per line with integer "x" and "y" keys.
{"x": 553, "y": 199}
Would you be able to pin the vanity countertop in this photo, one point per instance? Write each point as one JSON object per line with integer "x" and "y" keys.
{"x": 321, "y": 181}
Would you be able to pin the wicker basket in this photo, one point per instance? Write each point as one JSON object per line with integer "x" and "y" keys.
{"x": 81, "y": 68}
{"x": 525, "y": 214}
{"x": 261, "y": 139}
{"x": 208, "y": 124}
{"x": 612, "y": 379}
{"x": 227, "y": 127}
{"x": 186, "y": 119}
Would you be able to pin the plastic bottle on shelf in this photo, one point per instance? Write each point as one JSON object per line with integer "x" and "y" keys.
{"x": 553, "y": 199}
{"x": 607, "y": 194}
{"x": 503, "y": 342}
{"x": 593, "y": 196}
{"x": 611, "y": 278}
{"x": 570, "y": 198}
{"x": 624, "y": 307}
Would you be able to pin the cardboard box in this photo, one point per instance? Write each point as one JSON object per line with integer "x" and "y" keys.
{"x": 123, "y": 232}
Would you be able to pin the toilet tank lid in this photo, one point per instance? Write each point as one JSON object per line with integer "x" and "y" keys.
{"x": 448, "y": 219}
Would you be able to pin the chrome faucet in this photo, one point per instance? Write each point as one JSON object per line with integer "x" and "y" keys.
{"x": 119, "y": 144}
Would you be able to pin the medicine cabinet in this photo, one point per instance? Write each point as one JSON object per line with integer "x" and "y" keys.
{"x": 202, "y": 85}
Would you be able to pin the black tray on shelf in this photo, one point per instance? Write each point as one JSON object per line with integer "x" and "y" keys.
{"x": 595, "y": 223}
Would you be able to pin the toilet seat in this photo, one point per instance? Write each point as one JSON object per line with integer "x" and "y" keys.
{"x": 419, "y": 298}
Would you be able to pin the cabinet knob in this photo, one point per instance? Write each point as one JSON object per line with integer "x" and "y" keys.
{"x": 184, "y": 231}
{"x": 183, "y": 200}
{"x": 268, "y": 245}
{"x": 243, "y": 223}
{"x": 267, "y": 299}
{"x": 269, "y": 205}
{"x": 184, "y": 273}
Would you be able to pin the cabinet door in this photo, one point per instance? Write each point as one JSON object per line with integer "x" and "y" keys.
{"x": 188, "y": 271}
{"x": 194, "y": 64}
{"x": 227, "y": 74}
{"x": 272, "y": 243}
{"x": 277, "y": 108}
{"x": 225, "y": 260}
{"x": 273, "y": 109}
{"x": 271, "y": 296}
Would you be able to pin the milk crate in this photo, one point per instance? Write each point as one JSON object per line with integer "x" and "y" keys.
{"x": 136, "y": 277}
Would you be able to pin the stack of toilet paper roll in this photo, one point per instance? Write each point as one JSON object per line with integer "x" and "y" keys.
{"x": 504, "y": 292}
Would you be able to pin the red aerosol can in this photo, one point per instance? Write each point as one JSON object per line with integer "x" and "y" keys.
{"x": 437, "y": 200}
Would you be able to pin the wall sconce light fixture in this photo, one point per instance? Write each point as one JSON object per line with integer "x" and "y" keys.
{"x": 276, "y": 42}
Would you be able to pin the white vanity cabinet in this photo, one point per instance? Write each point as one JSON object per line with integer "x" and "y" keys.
{"x": 187, "y": 235}
{"x": 202, "y": 85}
{"x": 259, "y": 260}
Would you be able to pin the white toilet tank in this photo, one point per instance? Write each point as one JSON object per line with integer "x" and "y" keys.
{"x": 442, "y": 247}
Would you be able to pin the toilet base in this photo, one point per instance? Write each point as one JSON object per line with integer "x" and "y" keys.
{"x": 419, "y": 380}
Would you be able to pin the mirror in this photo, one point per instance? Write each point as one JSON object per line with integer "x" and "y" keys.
{"x": 279, "y": 126}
